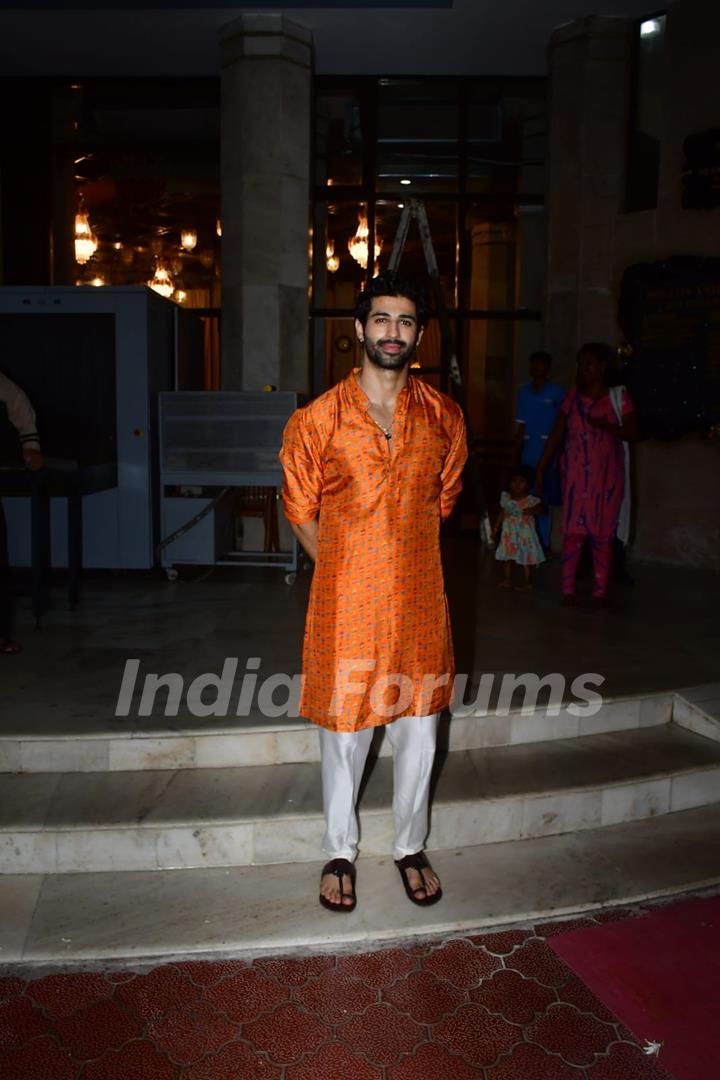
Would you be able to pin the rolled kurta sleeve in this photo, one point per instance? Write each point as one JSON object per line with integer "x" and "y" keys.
{"x": 302, "y": 469}
{"x": 451, "y": 475}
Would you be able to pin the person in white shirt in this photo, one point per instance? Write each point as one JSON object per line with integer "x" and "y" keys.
{"x": 15, "y": 404}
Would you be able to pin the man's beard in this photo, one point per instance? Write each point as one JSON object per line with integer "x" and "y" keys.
{"x": 389, "y": 362}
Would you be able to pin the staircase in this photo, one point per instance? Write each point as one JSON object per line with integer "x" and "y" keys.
{"x": 207, "y": 841}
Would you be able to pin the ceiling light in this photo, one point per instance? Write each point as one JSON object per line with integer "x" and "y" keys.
{"x": 188, "y": 239}
{"x": 162, "y": 282}
{"x": 650, "y": 27}
{"x": 358, "y": 244}
{"x": 85, "y": 240}
{"x": 331, "y": 260}
{"x": 406, "y": 182}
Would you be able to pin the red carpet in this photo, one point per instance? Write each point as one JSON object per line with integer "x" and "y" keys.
{"x": 492, "y": 1006}
{"x": 660, "y": 974}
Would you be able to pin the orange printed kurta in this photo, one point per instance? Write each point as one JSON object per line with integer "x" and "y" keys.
{"x": 377, "y": 635}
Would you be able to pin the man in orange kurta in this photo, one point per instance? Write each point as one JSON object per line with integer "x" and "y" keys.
{"x": 370, "y": 468}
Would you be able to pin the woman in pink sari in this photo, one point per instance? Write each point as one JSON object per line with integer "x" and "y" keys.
{"x": 592, "y": 467}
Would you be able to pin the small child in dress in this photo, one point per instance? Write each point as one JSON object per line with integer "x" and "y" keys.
{"x": 519, "y": 541}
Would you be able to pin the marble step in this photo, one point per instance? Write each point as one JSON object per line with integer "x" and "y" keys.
{"x": 155, "y": 820}
{"x": 143, "y": 917}
{"x": 46, "y": 744}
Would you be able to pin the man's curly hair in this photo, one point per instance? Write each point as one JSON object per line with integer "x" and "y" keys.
{"x": 391, "y": 284}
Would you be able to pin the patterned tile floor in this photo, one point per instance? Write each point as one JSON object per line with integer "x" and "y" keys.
{"x": 494, "y": 1006}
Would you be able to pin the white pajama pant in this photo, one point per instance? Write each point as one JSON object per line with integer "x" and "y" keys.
{"x": 342, "y": 760}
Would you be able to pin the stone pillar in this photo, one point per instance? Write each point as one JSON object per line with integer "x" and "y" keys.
{"x": 266, "y": 128}
{"x": 589, "y": 75}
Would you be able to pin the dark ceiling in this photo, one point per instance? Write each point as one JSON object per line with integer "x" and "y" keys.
{"x": 249, "y": 5}
{"x": 472, "y": 37}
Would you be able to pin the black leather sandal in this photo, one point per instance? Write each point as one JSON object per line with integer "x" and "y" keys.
{"x": 340, "y": 868}
{"x": 417, "y": 862}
